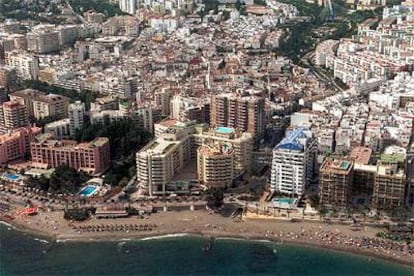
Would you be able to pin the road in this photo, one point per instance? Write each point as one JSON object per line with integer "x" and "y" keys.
{"x": 306, "y": 59}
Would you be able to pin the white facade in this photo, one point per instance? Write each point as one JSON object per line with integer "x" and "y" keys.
{"x": 76, "y": 112}
{"x": 26, "y": 65}
{"x": 128, "y": 6}
{"x": 293, "y": 162}
{"x": 60, "y": 129}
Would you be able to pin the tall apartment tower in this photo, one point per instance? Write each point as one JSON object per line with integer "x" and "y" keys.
{"x": 335, "y": 182}
{"x": 76, "y": 113}
{"x": 245, "y": 113}
{"x": 13, "y": 115}
{"x": 389, "y": 187}
{"x": 215, "y": 166}
{"x": 163, "y": 101}
{"x": 128, "y": 6}
{"x": 293, "y": 164}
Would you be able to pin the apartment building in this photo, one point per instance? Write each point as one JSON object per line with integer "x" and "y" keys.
{"x": 128, "y": 6}
{"x": 245, "y": 113}
{"x": 25, "y": 64}
{"x": 293, "y": 164}
{"x": 13, "y": 115}
{"x": 160, "y": 160}
{"x": 43, "y": 39}
{"x": 92, "y": 157}
{"x": 190, "y": 109}
{"x": 15, "y": 144}
{"x": 59, "y": 129}
{"x": 389, "y": 187}
{"x": 335, "y": 182}
{"x": 50, "y": 105}
{"x": 162, "y": 100}
{"x": 215, "y": 165}
{"x": 109, "y": 102}
{"x": 76, "y": 114}
{"x": 25, "y": 97}
{"x": 175, "y": 146}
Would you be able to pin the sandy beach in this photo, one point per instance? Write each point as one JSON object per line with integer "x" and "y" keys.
{"x": 201, "y": 222}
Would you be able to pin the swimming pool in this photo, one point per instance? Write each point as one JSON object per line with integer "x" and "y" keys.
{"x": 11, "y": 177}
{"x": 88, "y": 190}
{"x": 225, "y": 130}
{"x": 284, "y": 200}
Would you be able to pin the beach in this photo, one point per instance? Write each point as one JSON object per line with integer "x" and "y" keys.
{"x": 204, "y": 223}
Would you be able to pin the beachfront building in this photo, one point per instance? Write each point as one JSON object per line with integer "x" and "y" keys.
{"x": 389, "y": 187}
{"x": 161, "y": 159}
{"x": 15, "y": 144}
{"x": 293, "y": 164}
{"x": 92, "y": 157}
{"x": 177, "y": 145}
{"x": 215, "y": 165}
{"x": 335, "y": 182}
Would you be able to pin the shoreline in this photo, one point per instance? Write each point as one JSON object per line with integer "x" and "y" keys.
{"x": 120, "y": 237}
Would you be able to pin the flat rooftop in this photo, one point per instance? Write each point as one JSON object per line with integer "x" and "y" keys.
{"x": 361, "y": 155}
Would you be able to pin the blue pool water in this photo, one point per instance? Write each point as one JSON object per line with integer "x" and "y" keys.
{"x": 11, "y": 176}
{"x": 88, "y": 190}
{"x": 284, "y": 200}
{"x": 224, "y": 130}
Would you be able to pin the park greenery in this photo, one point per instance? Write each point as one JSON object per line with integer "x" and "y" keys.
{"x": 64, "y": 180}
{"x": 104, "y": 6}
{"x": 215, "y": 197}
{"x": 125, "y": 137}
{"x": 299, "y": 41}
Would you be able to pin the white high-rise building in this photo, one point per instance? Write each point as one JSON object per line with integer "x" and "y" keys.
{"x": 76, "y": 112}
{"x": 128, "y": 6}
{"x": 293, "y": 164}
{"x": 26, "y": 65}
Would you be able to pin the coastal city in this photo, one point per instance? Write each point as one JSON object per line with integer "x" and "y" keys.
{"x": 283, "y": 120}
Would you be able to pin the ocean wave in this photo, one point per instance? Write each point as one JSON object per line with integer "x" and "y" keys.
{"x": 7, "y": 224}
{"x": 177, "y": 235}
{"x": 40, "y": 240}
{"x": 244, "y": 239}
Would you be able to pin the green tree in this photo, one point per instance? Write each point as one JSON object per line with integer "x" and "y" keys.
{"x": 215, "y": 197}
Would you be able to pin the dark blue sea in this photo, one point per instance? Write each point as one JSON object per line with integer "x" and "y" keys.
{"x": 23, "y": 254}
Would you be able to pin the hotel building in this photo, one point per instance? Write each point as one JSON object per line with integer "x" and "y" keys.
{"x": 15, "y": 144}
{"x": 335, "y": 182}
{"x": 165, "y": 156}
{"x": 293, "y": 164}
{"x": 92, "y": 157}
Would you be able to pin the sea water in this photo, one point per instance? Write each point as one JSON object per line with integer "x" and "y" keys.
{"x": 23, "y": 254}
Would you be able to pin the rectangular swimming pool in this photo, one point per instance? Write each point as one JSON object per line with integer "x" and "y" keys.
{"x": 88, "y": 190}
{"x": 284, "y": 200}
{"x": 225, "y": 130}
